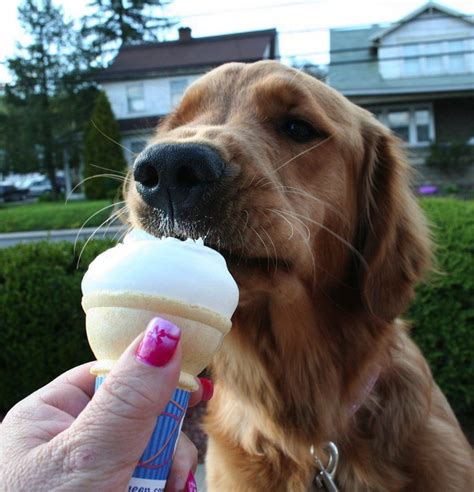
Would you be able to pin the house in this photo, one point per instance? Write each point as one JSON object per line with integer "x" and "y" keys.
{"x": 416, "y": 76}
{"x": 145, "y": 82}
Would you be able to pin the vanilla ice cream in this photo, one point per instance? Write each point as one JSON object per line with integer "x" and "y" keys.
{"x": 182, "y": 281}
{"x": 186, "y": 271}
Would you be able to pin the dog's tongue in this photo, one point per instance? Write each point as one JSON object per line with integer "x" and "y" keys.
{"x": 187, "y": 271}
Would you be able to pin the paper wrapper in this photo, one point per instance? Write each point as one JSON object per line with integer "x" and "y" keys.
{"x": 115, "y": 319}
{"x": 153, "y": 468}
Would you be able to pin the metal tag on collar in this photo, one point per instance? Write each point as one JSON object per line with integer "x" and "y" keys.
{"x": 325, "y": 478}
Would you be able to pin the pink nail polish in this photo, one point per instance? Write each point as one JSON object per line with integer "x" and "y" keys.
{"x": 207, "y": 388}
{"x": 159, "y": 343}
{"x": 190, "y": 483}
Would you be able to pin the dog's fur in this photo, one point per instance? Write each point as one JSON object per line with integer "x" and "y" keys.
{"x": 326, "y": 243}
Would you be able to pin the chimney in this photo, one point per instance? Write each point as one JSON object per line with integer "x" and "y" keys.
{"x": 184, "y": 33}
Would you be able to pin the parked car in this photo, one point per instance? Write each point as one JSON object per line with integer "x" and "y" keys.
{"x": 10, "y": 193}
{"x": 39, "y": 187}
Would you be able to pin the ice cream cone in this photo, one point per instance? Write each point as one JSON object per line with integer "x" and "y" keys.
{"x": 115, "y": 319}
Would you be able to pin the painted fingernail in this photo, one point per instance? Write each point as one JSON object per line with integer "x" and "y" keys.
{"x": 190, "y": 483}
{"x": 159, "y": 343}
{"x": 207, "y": 388}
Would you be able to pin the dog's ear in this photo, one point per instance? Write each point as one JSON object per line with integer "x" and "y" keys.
{"x": 393, "y": 236}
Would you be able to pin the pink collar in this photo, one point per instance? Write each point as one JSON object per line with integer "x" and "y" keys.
{"x": 365, "y": 392}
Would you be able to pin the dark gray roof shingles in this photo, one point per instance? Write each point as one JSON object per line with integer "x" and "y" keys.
{"x": 154, "y": 58}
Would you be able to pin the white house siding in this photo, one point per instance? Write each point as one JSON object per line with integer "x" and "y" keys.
{"x": 421, "y": 29}
{"x": 157, "y": 102}
{"x": 156, "y": 92}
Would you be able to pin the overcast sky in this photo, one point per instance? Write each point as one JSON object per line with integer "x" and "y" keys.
{"x": 210, "y": 17}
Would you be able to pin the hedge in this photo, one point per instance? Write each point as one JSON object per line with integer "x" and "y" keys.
{"x": 442, "y": 314}
{"x": 102, "y": 152}
{"x": 42, "y": 323}
{"x": 41, "y": 320}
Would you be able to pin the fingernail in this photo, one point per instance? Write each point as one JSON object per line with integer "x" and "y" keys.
{"x": 159, "y": 343}
{"x": 207, "y": 388}
{"x": 190, "y": 483}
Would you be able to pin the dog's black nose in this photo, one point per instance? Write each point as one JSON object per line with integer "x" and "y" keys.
{"x": 178, "y": 178}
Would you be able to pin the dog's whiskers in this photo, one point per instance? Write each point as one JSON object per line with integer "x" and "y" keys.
{"x": 306, "y": 239}
{"x": 116, "y": 216}
{"x": 114, "y": 171}
{"x": 334, "y": 234}
{"x": 134, "y": 154}
{"x": 274, "y": 249}
{"x": 247, "y": 220}
{"x": 91, "y": 217}
{"x": 309, "y": 149}
{"x": 264, "y": 244}
{"x": 293, "y": 216}
{"x": 277, "y": 212}
{"x": 117, "y": 177}
{"x": 296, "y": 191}
{"x": 97, "y": 229}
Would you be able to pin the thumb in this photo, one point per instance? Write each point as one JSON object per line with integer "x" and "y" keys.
{"x": 113, "y": 430}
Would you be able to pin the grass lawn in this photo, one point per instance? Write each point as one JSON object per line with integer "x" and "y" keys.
{"x": 52, "y": 215}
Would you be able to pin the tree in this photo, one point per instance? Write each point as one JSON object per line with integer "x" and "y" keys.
{"x": 120, "y": 22}
{"x": 37, "y": 73}
{"x": 17, "y": 139}
{"x": 102, "y": 150}
{"x": 52, "y": 94}
{"x": 319, "y": 72}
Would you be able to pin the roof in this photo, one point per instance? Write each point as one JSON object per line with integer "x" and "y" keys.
{"x": 188, "y": 53}
{"x": 354, "y": 68}
{"x": 430, "y": 6}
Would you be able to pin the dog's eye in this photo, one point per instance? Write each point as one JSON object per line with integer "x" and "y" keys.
{"x": 299, "y": 130}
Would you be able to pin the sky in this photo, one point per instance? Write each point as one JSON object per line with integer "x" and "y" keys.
{"x": 289, "y": 17}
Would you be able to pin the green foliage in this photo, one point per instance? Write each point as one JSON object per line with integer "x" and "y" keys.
{"x": 49, "y": 197}
{"x": 443, "y": 311}
{"x": 120, "y": 22}
{"x": 52, "y": 215}
{"x": 451, "y": 189}
{"x": 42, "y": 324}
{"x": 102, "y": 151}
{"x": 36, "y": 71}
{"x": 51, "y": 93}
{"x": 451, "y": 158}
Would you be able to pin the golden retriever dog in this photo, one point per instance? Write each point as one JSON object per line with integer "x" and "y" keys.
{"x": 307, "y": 197}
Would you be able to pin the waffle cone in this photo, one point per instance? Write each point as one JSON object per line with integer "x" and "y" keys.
{"x": 115, "y": 319}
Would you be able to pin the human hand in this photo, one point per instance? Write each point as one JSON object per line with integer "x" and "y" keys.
{"x": 61, "y": 438}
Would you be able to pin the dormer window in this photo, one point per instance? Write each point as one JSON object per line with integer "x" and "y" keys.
{"x": 425, "y": 59}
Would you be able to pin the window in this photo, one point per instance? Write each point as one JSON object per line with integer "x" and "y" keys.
{"x": 411, "y": 64}
{"x": 177, "y": 88}
{"x": 433, "y": 58}
{"x": 399, "y": 122}
{"x": 457, "y": 60}
{"x": 135, "y": 98}
{"x": 434, "y": 61}
{"x": 413, "y": 124}
{"x": 136, "y": 146}
{"x": 422, "y": 123}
